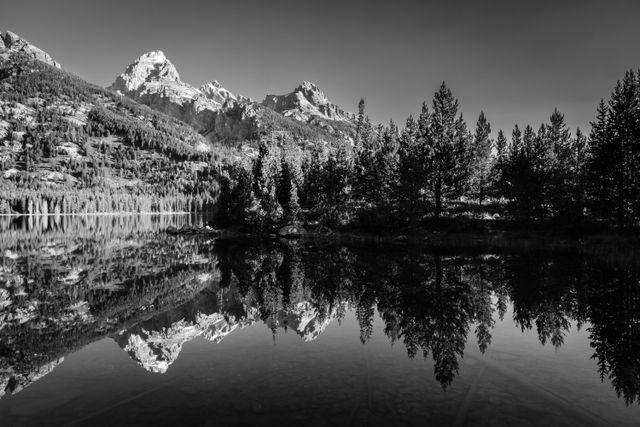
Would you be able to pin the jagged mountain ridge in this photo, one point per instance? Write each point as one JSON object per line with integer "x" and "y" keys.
{"x": 222, "y": 116}
{"x": 306, "y": 102}
{"x": 154, "y": 81}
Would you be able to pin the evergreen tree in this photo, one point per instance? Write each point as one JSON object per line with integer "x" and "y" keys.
{"x": 236, "y": 201}
{"x": 337, "y": 187}
{"x": 287, "y": 190}
{"x": 450, "y": 154}
{"x": 359, "y": 123}
{"x": 499, "y": 164}
{"x": 557, "y": 192}
{"x": 580, "y": 153}
{"x": 310, "y": 192}
{"x": 410, "y": 173}
{"x": 625, "y": 126}
{"x": 481, "y": 167}
{"x": 363, "y": 168}
{"x": 266, "y": 171}
{"x": 601, "y": 179}
{"x": 516, "y": 142}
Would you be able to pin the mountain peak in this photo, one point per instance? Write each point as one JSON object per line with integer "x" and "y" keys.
{"x": 153, "y": 56}
{"x": 148, "y": 68}
{"x": 306, "y": 102}
{"x": 309, "y": 86}
{"x": 11, "y": 42}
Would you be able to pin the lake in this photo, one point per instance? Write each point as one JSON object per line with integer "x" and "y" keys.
{"x": 109, "y": 320}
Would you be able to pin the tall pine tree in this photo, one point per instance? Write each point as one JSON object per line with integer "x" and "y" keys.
{"x": 449, "y": 160}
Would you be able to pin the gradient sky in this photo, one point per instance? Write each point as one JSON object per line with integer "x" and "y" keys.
{"x": 515, "y": 60}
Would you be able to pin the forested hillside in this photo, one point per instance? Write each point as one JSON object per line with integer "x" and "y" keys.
{"x": 69, "y": 146}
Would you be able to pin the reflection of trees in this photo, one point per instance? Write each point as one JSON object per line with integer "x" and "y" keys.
{"x": 614, "y": 313}
{"x": 431, "y": 302}
{"x": 428, "y": 302}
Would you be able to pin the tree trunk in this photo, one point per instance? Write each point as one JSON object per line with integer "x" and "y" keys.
{"x": 438, "y": 202}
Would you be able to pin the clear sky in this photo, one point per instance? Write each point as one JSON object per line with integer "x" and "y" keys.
{"x": 515, "y": 60}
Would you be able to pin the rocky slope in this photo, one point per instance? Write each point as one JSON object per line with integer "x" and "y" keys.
{"x": 154, "y": 81}
{"x": 13, "y": 43}
{"x": 305, "y": 103}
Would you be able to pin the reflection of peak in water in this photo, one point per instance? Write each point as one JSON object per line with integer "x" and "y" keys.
{"x": 156, "y": 350}
{"x": 60, "y": 296}
{"x": 304, "y": 319}
{"x": 156, "y": 343}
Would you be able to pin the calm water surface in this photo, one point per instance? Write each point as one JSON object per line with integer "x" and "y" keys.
{"x": 111, "y": 321}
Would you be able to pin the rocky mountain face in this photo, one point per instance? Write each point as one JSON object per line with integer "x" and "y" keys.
{"x": 11, "y": 42}
{"x": 223, "y": 116}
{"x": 154, "y": 81}
{"x": 305, "y": 103}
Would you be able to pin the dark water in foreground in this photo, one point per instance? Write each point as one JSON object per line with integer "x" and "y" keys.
{"x": 110, "y": 321}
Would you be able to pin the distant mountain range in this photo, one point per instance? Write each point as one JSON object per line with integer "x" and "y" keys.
{"x": 216, "y": 112}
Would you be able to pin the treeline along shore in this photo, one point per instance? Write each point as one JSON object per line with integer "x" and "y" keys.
{"x": 436, "y": 173}
{"x": 72, "y": 147}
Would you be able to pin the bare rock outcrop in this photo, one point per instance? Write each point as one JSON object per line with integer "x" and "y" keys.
{"x": 306, "y": 102}
{"x": 11, "y": 42}
{"x": 154, "y": 81}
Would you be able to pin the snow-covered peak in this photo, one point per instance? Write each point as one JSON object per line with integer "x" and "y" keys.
{"x": 156, "y": 56}
{"x": 151, "y": 67}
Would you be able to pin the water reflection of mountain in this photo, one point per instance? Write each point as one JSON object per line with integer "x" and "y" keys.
{"x": 153, "y": 293}
{"x": 59, "y": 291}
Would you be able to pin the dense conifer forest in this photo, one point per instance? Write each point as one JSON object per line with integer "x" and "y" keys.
{"x": 436, "y": 166}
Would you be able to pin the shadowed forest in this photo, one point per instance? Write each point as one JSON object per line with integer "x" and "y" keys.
{"x": 436, "y": 166}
